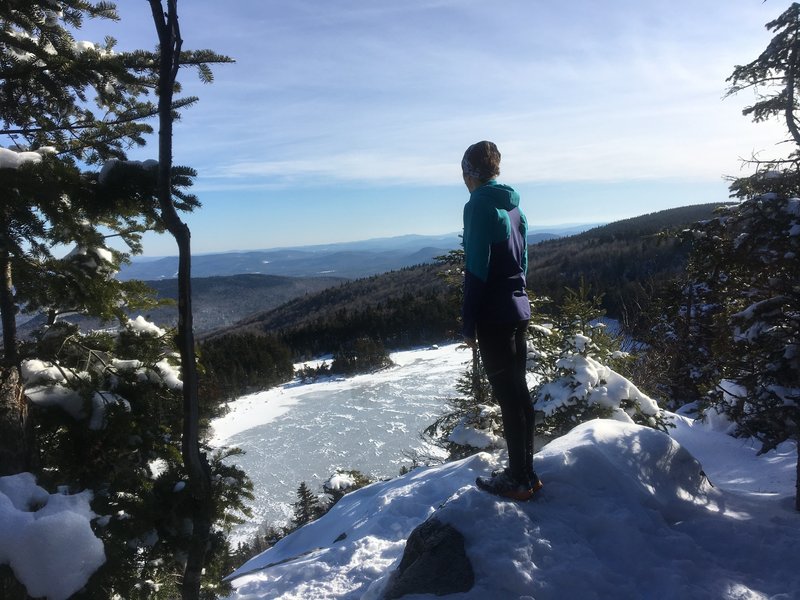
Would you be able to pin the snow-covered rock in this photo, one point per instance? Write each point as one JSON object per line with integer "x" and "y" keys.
{"x": 625, "y": 507}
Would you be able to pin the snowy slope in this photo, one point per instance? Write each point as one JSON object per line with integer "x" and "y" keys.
{"x": 626, "y": 512}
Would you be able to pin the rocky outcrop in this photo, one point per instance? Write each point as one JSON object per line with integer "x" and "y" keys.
{"x": 434, "y": 562}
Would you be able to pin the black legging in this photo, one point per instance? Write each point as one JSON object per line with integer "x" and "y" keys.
{"x": 504, "y": 353}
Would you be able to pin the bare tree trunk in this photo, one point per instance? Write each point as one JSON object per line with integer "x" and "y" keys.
{"x": 10, "y": 587}
{"x": 791, "y": 73}
{"x": 797, "y": 478}
{"x": 477, "y": 389}
{"x": 15, "y": 430}
{"x": 195, "y": 462}
{"x": 8, "y": 308}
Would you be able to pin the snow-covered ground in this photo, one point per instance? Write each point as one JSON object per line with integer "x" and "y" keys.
{"x": 626, "y": 513}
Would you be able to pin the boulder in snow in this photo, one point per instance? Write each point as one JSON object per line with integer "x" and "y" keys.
{"x": 434, "y": 562}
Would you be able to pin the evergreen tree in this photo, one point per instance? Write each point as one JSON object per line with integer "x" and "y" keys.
{"x": 752, "y": 263}
{"x": 472, "y": 422}
{"x": 49, "y": 88}
{"x": 266, "y": 537}
{"x": 238, "y": 364}
{"x": 774, "y": 80}
{"x": 343, "y": 482}
{"x": 307, "y": 508}
{"x": 575, "y": 362}
{"x": 360, "y": 355}
{"x": 677, "y": 362}
{"x": 66, "y": 105}
{"x": 83, "y": 98}
{"x": 753, "y": 258}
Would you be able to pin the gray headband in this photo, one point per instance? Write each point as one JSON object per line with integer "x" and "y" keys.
{"x": 469, "y": 170}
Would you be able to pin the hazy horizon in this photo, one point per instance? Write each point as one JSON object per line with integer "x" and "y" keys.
{"x": 557, "y": 229}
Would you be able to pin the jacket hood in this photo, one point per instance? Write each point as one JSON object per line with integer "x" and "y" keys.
{"x": 498, "y": 195}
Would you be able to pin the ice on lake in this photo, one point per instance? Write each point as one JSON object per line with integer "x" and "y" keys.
{"x": 304, "y": 432}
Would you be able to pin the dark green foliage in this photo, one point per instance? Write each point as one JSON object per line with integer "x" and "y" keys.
{"x": 567, "y": 330}
{"x": 222, "y": 301}
{"x": 760, "y": 243}
{"x": 47, "y": 96}
{"x": 403, "y": 321}
{"x": 266, "y": 537}
{"x": 355, "y": 481}
{"x": 773, "y": 76}
{"x": 421, "y": 305}
{"x": 359, "y": 356}
{"x": 77, "y": 105}
{"x": 474, "y": 409}
{"x": 308, "y": 373}
{"x": 649, "y": 224}
{"x": 125, "y": 447}
{"x": 401, "y": 308}
{"x": 676, "y": 334}
{"x": 310, "y": 506}
{"x": 239, "y": 364}
{"x": 354, "y": 322}
{"x": 51, "y": 204}
{"x": 89, "y": 102}
{"x": 82, "y": 105}
{"x": 307, "y": 508}
{"x": 453, "y": 276}
{"x": 571, "y": 346}
{"x": 748, "y": 255}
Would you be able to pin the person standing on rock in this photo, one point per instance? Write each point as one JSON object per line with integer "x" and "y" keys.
{"x": 496, "y": 310}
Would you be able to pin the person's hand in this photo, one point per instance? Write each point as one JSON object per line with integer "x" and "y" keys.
{"x": 471, "y": 342}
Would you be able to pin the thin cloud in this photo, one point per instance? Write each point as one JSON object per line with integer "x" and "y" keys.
{"x": 576, "y": 93}
{"x": 377, "y": 96}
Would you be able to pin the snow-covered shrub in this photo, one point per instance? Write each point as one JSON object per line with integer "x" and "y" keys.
{"x": 472, "y": 422}
{"x": 480, "y": 429}
{"x": 573, "y": 360}
{"x": 588, "y": 389}
{"x": 343, "y": 482}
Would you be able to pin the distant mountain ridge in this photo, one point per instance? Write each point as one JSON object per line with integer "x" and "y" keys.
{"x": 350, "y": 260}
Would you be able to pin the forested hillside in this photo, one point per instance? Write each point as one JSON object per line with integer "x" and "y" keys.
{"x": 627, "y": 261}
{"x": 408, "y": 306}
{"x": 402, "y": 307}
{"x": 396, "y": 309}
{"x": 221, "y": 301}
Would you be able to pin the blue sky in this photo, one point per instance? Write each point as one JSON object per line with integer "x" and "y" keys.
{"x": 347, "y": 120}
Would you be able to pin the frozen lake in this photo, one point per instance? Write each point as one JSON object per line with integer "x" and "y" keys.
{"x": 304, "y": 432}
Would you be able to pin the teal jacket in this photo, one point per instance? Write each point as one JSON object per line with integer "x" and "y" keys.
{"x": 496, "y": 257}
